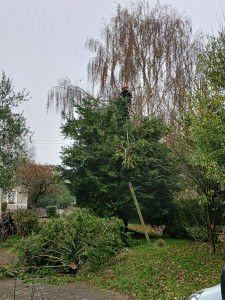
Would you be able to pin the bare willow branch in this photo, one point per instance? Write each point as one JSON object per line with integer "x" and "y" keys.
{"x": 62, "y": 97}
{"x": 153, "y": 50}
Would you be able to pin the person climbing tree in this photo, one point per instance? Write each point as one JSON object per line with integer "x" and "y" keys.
{"x": 126, "y": 93}
{"x": 124, "y": 101}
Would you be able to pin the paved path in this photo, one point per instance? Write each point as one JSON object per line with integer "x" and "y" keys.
{"x": 16, "y": 290}
{"x": 12, "y": 289}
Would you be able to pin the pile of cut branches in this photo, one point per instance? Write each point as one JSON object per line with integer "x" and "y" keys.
{"x": 72, "y": 241}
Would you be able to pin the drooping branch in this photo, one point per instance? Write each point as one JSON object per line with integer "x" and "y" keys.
{"x": 62, "y": 97}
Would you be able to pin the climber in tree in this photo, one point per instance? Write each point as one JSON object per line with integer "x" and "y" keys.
{"x": 124, "y": 101}
{"x": 126, "y": 94}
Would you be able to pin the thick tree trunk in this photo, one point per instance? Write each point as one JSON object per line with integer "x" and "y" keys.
{"x": 0, "y": 205}
{"x": 211, "y": 229}
{"x": 212, "y": 246}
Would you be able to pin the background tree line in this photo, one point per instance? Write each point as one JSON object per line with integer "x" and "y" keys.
{"x": 16, "y": 165}
{"x": 172, "y": 145}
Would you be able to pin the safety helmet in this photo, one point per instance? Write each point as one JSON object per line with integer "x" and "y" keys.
{"x": 124, "y": 86}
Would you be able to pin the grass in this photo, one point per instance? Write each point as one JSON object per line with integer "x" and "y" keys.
{"x": 10, "y": 245}
{"x": 171, "y": 271}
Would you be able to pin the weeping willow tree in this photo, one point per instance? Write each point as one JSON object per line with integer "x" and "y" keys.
{"x": 153, "y": 50}
{"x": 150, "y": 48}
{"x": 61, "y": 97}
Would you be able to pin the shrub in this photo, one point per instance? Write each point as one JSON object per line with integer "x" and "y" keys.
{"x": 4, "y": 206}
{"x": 197, "y": 233}
{"x": 25, "y": 221}
{"x": 51, "y": 211}
{"x": 174, "y": 226}
{"x": 160, "y": 243}
{"x": 175, "y": 229}
{"x": 73, "y": 241}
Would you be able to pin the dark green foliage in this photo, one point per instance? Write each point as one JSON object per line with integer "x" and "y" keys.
{"x": 4, "y": 206}
{"x": 13, "y": 133}
{"x": 124, "y": 108}
{"x": 26, "y": 222}
{"x": 107, "y": 154}
{"x": 175, "y": 225}
{"x": 75, "y": 240}
{"x": 174, "y": 228}
{"x": 60, "y": 197}
{"x": 51, "y": 211}
{"x": 188, "y": 218}
{"x": 187, "y": 213}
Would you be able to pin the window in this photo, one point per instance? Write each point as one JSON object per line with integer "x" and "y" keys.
{"x": 11, "y": 198}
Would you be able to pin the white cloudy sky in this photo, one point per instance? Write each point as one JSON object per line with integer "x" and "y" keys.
{"x": 42, "y": 40}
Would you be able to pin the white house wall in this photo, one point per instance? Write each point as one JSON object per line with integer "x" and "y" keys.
{"x": 20, "y": 199}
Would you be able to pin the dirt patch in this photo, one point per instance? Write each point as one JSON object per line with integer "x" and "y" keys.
{"x": 6, "y": 258}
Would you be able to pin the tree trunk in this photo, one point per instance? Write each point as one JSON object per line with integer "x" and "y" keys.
{"x": 211, "y": 229}
{"x": 211, "y": 236}
{"x": 0, "y": 206}
{"x": 34, "y": 205}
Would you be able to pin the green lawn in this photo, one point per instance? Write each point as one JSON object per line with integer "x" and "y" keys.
{"x": 173, "y": 271}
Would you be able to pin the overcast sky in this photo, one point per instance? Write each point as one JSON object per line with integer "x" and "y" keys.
{"x": 42, "y": 40}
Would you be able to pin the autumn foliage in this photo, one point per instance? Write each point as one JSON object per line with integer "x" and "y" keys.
{"x": 39, "y": 180}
